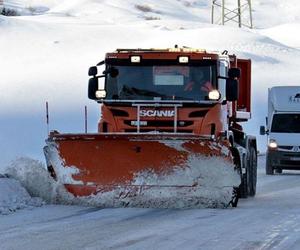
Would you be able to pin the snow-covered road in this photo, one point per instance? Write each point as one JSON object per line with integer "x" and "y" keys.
{"x": 271, "y": 219}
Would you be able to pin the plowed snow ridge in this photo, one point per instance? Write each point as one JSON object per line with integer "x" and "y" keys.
{"x": 29, "y": 178}
{"x": 13, "y": 197}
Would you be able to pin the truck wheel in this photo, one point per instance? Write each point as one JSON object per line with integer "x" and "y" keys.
{"x": 278, "y": 170}
{"x": 269, "y": 167}
{"x": 235, "y": 197}
{"x": 243, "y": 188}
{"x": 252, "y": 172}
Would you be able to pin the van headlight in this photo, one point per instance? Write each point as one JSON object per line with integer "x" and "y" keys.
{"x": 273, "y": 144}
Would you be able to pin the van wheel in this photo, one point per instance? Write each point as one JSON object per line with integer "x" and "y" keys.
{"x": 269, "y": 167}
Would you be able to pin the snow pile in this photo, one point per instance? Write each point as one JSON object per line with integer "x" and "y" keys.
{"x": 30, "y": 185}
{"x": 212, "y": 187}
{"x": 33, "y": 175}
{"x": 13, "y": 196}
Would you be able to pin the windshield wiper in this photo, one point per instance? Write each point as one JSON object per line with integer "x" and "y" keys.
{"x": 131, "y": 92}
{"x": 141, "y": 92}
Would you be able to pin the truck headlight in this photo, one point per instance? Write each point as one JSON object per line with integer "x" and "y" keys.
{"x": 214, "y": 95}
{"x": 100, "y": 94}
{"x": 272, "y": 144}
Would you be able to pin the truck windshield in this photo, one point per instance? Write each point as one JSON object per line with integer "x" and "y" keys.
{"x": 286, "y": 123}
{"x": 161, "y": 83}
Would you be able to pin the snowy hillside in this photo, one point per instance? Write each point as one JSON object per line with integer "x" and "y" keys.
{"x": 45, "y": 57}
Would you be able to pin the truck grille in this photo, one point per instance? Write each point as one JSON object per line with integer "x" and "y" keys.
{"x": 146, "y": 130}
{"x": 162, "y": 124}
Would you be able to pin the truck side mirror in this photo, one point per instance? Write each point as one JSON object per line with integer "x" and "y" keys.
{"x": 232, "y": 91}
{"x": 93, "y": 71}
{"x": 93, "y": 87}
{"x": 234, "y": 73}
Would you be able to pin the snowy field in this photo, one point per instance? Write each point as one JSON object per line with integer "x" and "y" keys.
{"x": 271, "y": 220}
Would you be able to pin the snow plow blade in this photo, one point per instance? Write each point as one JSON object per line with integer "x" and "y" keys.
{"x": 143, "y": 170}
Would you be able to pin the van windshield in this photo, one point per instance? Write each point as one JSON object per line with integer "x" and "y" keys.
{"x": 286, "y": 123}
{"x": 162, "y": 82}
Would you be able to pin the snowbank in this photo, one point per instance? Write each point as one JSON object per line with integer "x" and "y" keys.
{"x": 31, "y": 179}
{"x": 13, "y": 196}
{"x": 27, "y": 184}
{"x": 32, "y": 175}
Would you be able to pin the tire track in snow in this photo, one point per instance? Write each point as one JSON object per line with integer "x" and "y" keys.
{"x": 280, "y": 235}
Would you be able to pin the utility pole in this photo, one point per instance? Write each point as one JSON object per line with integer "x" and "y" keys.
{"x": 237, "y": 11}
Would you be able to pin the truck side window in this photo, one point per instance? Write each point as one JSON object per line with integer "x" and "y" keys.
{"x": 224, "y": 73}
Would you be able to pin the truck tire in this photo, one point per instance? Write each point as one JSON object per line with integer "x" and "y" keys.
{"x": 235, "y": 197}
{"x": 269, "y": 167}
{"x": 243, "y": 188}
{"x": 252, "y": 172}
{"x": 278, "y": 170}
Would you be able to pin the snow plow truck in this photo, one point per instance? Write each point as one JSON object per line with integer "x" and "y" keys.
{"x": 170, "y": 133}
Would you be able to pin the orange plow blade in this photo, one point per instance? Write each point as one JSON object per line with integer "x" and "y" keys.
{"x": 143, "y": 170}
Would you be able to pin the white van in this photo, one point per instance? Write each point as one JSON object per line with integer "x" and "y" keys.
{"x": 283, "y": 129}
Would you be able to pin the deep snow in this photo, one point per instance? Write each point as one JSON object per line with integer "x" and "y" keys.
{"x": 14, "y": 197}
{"x": 213, "y": 192}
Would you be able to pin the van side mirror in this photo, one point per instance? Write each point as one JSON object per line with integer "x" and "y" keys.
{"x": 232, "y": 91}
{"x": 93, "y": 87}
{"x": 234, "y": 73}
{"x": 263, "y": 130}
{"x": 93, "y": 71}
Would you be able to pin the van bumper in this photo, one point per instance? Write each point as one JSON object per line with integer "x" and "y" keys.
{"x": 283, "y": 159}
